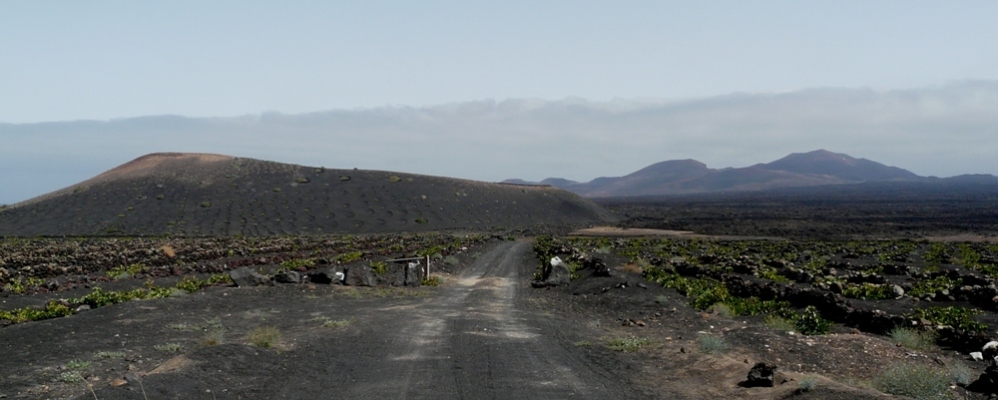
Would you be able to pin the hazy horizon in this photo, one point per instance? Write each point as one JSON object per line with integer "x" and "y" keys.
{"x": 937, "y": 131}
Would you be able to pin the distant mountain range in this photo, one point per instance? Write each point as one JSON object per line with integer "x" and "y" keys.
{"x": 816, "y": 168}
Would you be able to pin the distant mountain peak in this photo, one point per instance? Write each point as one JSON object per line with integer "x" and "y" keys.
{"x": 673, "y": 167}
{"x": 841, "y": 166}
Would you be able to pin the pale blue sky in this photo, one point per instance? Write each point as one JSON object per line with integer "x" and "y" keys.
{"x": 67, "y": 60}
{"x": 908, "y": 80}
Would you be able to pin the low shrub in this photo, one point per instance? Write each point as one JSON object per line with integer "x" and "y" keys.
{"x": 70, "y": 377}
{"x": 379, "y": 267}
{"x": 264, "y": 336}
{"x": 125, "y": 271}
{"x": 962, "y": 374}
{"x": 104, "y": 355}
{"x": 780, "y": 323}
{"x": 627, "y": 344}
{"x": 711, "y": 344}
{"x": 722, "y": 310}
{"x": 349, "y": 257}
{"x": 913, "y": 338}
{"x": 432, "y": 280}
{"x": 958, "y": 317}
{"x": 913, "y": 380}
{"x": 77, "y": 365}
{"x": 931, "y": 286}
{"x": 810, "y": 322}
{"x": 169, "y": 347}
{"x": 213, "y": 337}
{"x": 339, "y": 323}
{"x": 807, "y": 383}
{"x": 297, "y": 263}
{"x": 773, "y": 275}
{"x": 869, "y": 291}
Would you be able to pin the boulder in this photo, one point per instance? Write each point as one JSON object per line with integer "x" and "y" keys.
{"x": 598, "y": 266}
{"x": 987, "y": 382}
{"x": 761, "y": 375}
{"x": 558, "y": 273}
{"x": 358, "y": 275}
{"x": 990, "y": 352}
{"x": 413, "y": 275}
{"x": 247, "y": 277}
{"x": 898, "y": 291}
{"x": 287, "y": 277}
{"x": 554, "y": 274}
{"x": 326, "y": 276}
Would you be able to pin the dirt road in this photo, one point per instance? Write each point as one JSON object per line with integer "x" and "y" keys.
{"x": 473, "y": 341}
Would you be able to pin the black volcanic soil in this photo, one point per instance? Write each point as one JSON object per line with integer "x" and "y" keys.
{"x": 873, "y": 210}
{"x": 484, "y": 334}
{"x": 213, "y": 195}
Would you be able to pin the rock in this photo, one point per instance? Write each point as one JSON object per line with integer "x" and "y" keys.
{"x": 898, "y": 291}
{"x": 118, "y": 382}
{"x": 598, "y": 266}
{"x": 977, "y": 356}
{"x": 287, "y": 277}
{"x": 558, "y": 273}
{"x": 359, "y": 275}
{"x": 987, "y": 382}
{"x": 761, "y": 375}
{"x": 132, "y": 377}
{"x": 244, "y": 277}
{"x": 325, "y": 276}
{"x": 82, "y": 308}
{"x": 990, "y": 353}
{"x": 413, "y": 274}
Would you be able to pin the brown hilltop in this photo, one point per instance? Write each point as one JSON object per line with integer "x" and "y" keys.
{"x": 158, "y": 163}
{"x": 210, "y": 194}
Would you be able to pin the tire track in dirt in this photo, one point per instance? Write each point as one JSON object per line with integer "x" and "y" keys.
{"x": 472, "y": 341}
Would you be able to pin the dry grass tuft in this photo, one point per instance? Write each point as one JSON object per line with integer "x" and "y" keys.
{"x": 168, "y": 251}
{"x": 264, "y": 336}
{"x": 632, "y": 268}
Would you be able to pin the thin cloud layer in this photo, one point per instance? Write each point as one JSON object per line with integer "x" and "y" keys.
{"x": 943, "y": 131}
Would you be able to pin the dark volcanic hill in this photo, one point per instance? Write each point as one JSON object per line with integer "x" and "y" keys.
{"x": 816, "y": 168}
{"x": 841, "y": 166}
{"x": 204, "y": 194}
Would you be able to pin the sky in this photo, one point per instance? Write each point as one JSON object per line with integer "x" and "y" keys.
{"x": 494, "y": 90}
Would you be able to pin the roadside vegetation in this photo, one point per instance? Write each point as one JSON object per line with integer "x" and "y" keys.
{"x": 761, "y": 277}
{"x": 29, "y": 265}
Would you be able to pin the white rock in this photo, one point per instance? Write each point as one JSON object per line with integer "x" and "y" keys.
{"x": 977, "y": 356}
